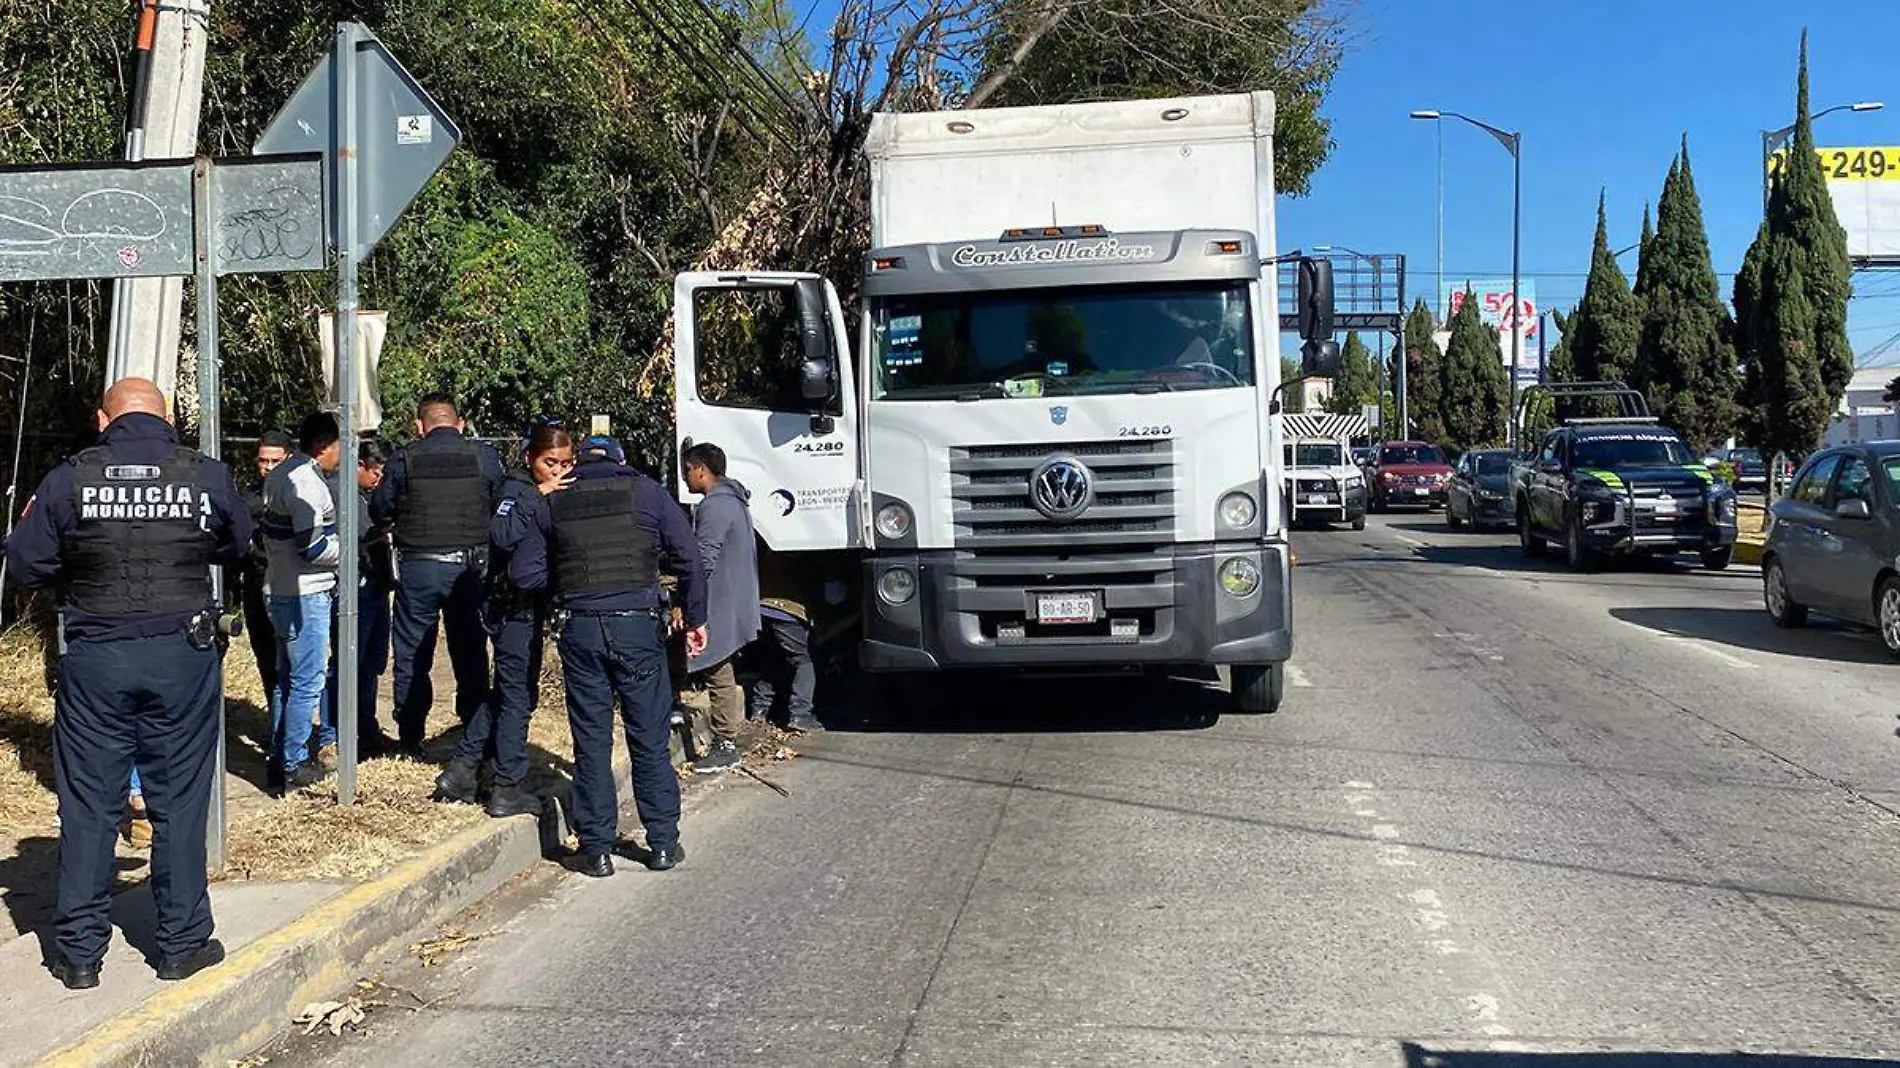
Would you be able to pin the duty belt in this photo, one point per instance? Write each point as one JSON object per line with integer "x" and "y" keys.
{"x": 466, "y": 557}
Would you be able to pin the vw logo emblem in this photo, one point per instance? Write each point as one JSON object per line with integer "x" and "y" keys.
{"x": 1060, "y": 488}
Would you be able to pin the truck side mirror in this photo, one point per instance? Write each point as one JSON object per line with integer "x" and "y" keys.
{"x": 1319, "y": 358}
{"x": 818, "y": 372}
{"x": 1316, "y": 299}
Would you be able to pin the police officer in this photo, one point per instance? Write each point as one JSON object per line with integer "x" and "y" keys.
{"x": 127, "y": 531}
{"x": 600, "y": 541}
{"x": 516, "y": 618}
{"x": 437, "y": 495}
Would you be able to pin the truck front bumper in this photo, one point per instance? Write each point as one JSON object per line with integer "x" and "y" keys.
{"x": 1170, "y": 609}
{"x": 1621, "y": 539}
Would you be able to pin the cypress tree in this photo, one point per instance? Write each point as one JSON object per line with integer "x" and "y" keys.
{"x": 1607, "y": 320}
{"x": 1684, "y": 356}
{"x": 1476, "y": 386}
{"x": 1795, "y": 370}
{"x": 1649, "y": 238}
{"x": 1424, "y": 394}
{"x": 1355, "y": 386}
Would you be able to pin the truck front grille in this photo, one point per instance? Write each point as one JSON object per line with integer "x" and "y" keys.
{"x": 1133, "y": 497}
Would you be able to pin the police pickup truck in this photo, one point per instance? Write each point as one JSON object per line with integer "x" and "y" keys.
{"x": 1617, "y": 485}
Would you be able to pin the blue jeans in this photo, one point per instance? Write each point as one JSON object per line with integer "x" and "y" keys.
{"x": 304, "y": 679}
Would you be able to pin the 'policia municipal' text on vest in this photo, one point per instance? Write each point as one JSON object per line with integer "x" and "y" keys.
{"x": 141, "y": 546}
{"x": 445, "y": 506}
{"x": 598, "y": 544}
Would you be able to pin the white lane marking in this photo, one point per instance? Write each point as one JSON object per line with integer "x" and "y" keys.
{"x": 1409, "y": 540}
{"x": 1297, "y": 676}
{"x": 1694, "y": 643}
{"x": 1433, "y": 917}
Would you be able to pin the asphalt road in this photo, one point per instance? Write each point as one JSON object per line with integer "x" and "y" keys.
{"x": 1507, "y": 811}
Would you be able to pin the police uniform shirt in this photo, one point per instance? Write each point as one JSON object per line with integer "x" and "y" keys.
{"x": 655, "y": 514}
{"x": 120, "y": 492}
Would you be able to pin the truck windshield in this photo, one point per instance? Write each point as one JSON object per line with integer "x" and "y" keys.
{"x": 1631, "y": 451}
{"x": 1047, "y": 342}
{"x": 1317, "y": 454}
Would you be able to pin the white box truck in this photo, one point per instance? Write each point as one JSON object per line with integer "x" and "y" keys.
{"x": 1049, "y": 447}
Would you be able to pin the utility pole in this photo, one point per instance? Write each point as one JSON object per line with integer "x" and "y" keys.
{"x": 147, "y": 312}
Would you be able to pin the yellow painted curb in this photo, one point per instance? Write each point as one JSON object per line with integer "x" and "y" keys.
{"x": 239, "y": 968}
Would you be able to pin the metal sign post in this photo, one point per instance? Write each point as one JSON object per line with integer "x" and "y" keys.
{"x": 344, "y": 191}
{"x": 382, "y": 139}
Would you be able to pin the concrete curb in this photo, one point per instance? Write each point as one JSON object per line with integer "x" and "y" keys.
{"x": 220, "y": 1015}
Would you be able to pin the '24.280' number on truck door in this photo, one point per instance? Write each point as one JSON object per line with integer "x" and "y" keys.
{"x": 1161, "y": 431}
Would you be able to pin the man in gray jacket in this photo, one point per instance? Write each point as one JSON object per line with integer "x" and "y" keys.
{"x": 729, "y": 554}
{"x": 301, "y": 545}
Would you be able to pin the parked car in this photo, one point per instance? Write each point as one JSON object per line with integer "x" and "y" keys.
{"x": 1480, "y": 490}
{"x": 1751, "y": 471}
{"x": 1408, "y": 474}
{"x": 1833, "y": 541}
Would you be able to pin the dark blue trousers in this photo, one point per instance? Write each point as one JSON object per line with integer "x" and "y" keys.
{"x": 372, "y": 652}
{"x": 604, "y": 656}
{"x": 500, "y": 728}
{"x": 153, "y": 703}
{"x": 426, "y": 589}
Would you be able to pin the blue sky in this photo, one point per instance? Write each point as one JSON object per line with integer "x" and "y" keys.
{"x": 1603, "y": 91}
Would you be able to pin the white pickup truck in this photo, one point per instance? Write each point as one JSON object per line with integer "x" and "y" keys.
{"x": 1322, "y": 484}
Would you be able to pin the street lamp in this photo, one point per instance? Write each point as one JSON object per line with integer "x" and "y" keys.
{"x": 1774, "y": 139}
{"x": 1513, "y": 143}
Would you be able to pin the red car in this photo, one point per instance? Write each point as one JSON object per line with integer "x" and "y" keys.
{"x": 1408, "y": 474}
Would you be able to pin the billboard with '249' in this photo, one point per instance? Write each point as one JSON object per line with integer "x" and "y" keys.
{"x": 1864, "y": 183}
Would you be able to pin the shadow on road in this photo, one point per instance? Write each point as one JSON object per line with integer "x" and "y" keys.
{"x": 991, "y": 703}
{"x": 1749, "y": 628}
{"x": 1417, "y": 1056}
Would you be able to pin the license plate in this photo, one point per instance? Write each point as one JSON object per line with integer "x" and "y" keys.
{"x": 1061, "y": 608}
{"x": 1319, "y": 498}
{"x": 1421, "y": 491}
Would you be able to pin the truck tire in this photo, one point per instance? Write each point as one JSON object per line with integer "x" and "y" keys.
{"x": 1359, "y": 522}
{"x": 1718, "y": 559}
{"x": 1258, "y": 688}
{"x": 1527, "y": 538}
{"x": 1581, "y": 557}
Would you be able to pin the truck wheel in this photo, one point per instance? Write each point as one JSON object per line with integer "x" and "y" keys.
{"x": 1532, "y": 545}
{"x": 1359, "y": 521}
{"x": 1718, "y": 559}
{"x": 1258, "y": 688}
{"x": 1451, "y": 517}
{"x": 1580, "y": 556}
{"x": 1774, "y": 595}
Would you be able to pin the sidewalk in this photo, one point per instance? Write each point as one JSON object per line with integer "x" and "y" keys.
{"x": 310, "y": 892}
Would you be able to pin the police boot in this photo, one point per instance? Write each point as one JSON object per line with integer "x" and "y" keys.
{"x": 460, "y": 781}
{"x": 513, "y": 799}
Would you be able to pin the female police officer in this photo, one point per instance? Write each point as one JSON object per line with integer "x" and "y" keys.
{"x": 515, "y": 618}
{"x": 600, "y": 540}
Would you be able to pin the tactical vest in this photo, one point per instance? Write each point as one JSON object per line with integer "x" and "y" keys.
{"x": 141, "y": 546}
{"x": 599, "y": 545}
{"x": 445, "y": 503}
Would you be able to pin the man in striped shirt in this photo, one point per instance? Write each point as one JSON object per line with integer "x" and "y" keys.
{"x": 300, "y": 538}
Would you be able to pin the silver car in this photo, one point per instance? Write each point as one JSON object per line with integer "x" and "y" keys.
{"x": 1834, "y": 541}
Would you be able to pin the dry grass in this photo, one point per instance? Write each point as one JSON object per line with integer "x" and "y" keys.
{"x": 307, "y": 835}
{"x": 27, "y": 803}
{"x": 1749, "y": 522}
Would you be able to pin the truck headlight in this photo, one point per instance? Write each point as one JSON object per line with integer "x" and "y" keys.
{"x": 893, "y": 522}
{"x": 1239, "y": 577}
{"x": 1722, "y": 509}
{"x": 1354, "y": 482}
{"x": 1238, "y": 511}
{"x": 896, "y": 586}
